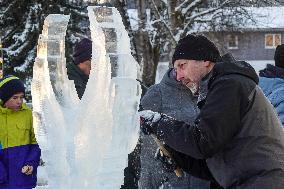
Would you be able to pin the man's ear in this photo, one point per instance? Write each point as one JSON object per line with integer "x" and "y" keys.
{"x": 207, "y": 63}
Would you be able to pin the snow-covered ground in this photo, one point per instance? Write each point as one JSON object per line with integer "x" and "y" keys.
{"x": 260, "y": 64}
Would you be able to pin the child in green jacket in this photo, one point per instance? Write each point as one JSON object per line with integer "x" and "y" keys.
{"x": 19, "y": 151}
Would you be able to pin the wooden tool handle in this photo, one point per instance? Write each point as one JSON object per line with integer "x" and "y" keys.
{"x": 178, "y": 171}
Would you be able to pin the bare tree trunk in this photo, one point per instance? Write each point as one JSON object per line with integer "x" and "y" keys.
{"x": 172, "y": 15}
{"x": 173, "y": 24}
{"x": 148, "y": 53}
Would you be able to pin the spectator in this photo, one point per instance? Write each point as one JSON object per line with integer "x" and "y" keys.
{"x": 79, "y": 70}
{"x": 272, "y": 82}
{"x": 237, "y": 130}
{"x": 19, "y": 151}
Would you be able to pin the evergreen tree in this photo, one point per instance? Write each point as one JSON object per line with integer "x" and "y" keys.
{"x": 21, "y": 23}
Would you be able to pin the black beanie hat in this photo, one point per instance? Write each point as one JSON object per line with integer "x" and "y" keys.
{"x": 83, "y": 51}
{"x": 196, "y": 47}
{"x": 279, "y": 56}
{"x": 9, "y": 86}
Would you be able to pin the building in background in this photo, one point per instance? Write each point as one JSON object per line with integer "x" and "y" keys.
{"x": 256, "y": 40}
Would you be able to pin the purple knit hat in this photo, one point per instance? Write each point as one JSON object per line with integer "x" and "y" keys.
{"x": 83, "y": 51}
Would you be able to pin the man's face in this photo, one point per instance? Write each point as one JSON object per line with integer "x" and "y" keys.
{"x": 15, "y": 102}
{"x": 85, "y": 67}
{"x": 190, "y": 71}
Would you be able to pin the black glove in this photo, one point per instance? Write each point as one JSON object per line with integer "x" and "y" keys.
{"x": 168, "y": 163}
{"x": 149, "y": 121}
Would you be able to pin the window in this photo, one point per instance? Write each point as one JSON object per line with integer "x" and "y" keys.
{"x": 272, "y": 40}
{"x": 232, "y": 42}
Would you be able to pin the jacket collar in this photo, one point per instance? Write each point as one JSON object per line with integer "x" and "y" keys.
{"x": 8, "y": 111}
{"x": 79, "y": 72}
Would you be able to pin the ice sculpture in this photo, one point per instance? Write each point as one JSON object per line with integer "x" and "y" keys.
{"x": 85, "y": 143}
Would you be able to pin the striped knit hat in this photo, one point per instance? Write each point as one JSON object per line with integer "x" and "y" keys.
{"x": 9, "y": 86}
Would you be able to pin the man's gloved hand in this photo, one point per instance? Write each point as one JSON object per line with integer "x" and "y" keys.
{"x": 168, "y": 163}
{"x": 149, "y": 121}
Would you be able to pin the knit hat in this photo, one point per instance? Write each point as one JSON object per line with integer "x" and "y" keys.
{"x": 83, "y": 51}
{"x": 279, "y": 56}
{"x": 9, "y": 86}
{"x": 196, "y": 47}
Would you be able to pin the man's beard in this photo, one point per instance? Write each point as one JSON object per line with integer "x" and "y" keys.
{"x": 193, "y": 87}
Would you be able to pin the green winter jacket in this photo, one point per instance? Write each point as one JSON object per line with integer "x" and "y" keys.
{"x": 16, "y": 128}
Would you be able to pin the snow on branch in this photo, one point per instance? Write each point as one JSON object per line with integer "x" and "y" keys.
{"x": 200, "y": 14}
{"x": 27, "y": 62}
{"x": 192, "y": 4}
{"x": 20, "y": 37}
{"x": 7, "y": 10}
{"x": 162, "y": 20}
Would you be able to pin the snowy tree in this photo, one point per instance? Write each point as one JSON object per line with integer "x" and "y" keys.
{"x": 121, "y": 6}
{"x": 20, "y": 26}
{"x": 169, "y": 20}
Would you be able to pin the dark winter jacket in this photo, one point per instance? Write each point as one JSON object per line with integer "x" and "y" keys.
{"x": 272, "y": 83}
{"x": 79, "y": 78}
{"x": 237, "y": 131}
{"x": 175, "y": 99}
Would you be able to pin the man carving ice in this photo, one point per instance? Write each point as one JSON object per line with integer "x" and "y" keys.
{"x": 237, "y": 131}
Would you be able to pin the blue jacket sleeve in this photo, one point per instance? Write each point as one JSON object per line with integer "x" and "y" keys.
{"x": 3, "y": 173}
{"x": 277, "y": 100}
{"x": 33, "y": 158}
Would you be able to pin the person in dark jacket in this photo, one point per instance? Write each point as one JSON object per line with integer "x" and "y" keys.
{"x": 237, "y": 130}
{"x": 159, "y": 98}
{"x": 272, "y": 82}
{"x": 79, "y": 70}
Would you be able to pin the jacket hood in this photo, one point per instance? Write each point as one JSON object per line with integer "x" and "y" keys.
{"x": 169, "y": 80}
{"x": 227, "y": 67}
{"x": 272, "y": 72}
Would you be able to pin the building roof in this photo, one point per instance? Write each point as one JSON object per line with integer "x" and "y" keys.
{"x": 265, "y": 18}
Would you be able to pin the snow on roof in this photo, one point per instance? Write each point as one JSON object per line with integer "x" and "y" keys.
{"x": 261, "y": 18}
{"x": 265, "y": 17}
